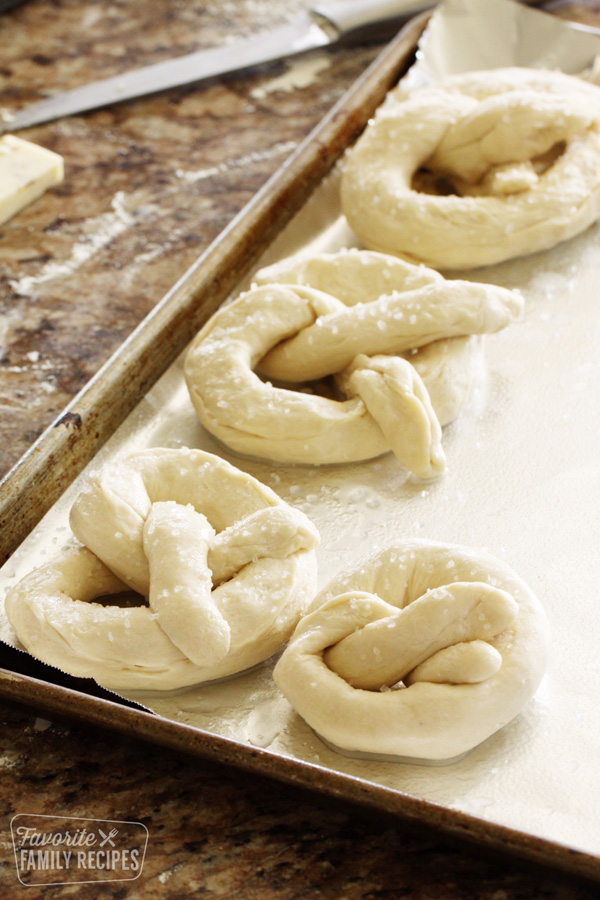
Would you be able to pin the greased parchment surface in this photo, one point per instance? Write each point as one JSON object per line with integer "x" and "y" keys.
{"x": 523, "y": 482}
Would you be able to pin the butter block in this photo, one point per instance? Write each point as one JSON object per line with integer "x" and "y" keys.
{"x": 26, "y": 171}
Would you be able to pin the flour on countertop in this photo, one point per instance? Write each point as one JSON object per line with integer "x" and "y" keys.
{"x": 9, "y": 761}
{"x": 239, "y": 162}
{"x": 102, "y": 230}
{"x": 300, "y": 74}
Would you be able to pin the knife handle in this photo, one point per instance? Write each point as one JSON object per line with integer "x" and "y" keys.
{"x": 363, "y": 21}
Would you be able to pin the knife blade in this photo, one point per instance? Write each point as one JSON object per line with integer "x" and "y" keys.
{"x": 341, "y": 21}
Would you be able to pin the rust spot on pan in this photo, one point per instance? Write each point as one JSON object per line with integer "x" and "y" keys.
{"x": 70, "y": 420}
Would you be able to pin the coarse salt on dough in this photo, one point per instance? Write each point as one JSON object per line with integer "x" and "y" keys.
{"x": 399, "y": 340}
{"x": 227, "y": 566}
{"x": 464, "y": 634}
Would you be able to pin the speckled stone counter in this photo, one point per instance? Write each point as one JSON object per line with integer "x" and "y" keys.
{"x": 148, "y": 185}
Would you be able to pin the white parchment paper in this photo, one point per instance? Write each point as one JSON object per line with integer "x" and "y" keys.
{"x": 523, "y": 481}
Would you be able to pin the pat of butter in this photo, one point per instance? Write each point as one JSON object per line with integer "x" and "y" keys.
{"x": 26, "y": 171}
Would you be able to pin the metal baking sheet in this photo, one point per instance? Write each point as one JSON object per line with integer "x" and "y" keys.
{"x": 523, "y": 481}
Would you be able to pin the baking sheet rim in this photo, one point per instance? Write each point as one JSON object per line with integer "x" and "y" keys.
{"x": 149, "y": 726}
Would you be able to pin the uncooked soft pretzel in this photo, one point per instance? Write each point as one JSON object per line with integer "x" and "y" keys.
{"x": 395, "y": 336}
{"x": 478, "y": 168}
{"x": 463, "y": 634}
{"x": 227, "y": 567}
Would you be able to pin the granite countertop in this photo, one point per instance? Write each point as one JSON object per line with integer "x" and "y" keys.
{"x": 148, "y": 185}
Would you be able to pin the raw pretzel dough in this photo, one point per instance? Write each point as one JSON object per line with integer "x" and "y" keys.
{"x": 464, "y": 634}
{"x": 228, "y": 568}
{"x": 355, "y": 315}
{"x": 514, "y": 152}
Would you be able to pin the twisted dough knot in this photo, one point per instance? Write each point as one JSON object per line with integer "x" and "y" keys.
{"x": 463, "y": 635}
{"x": 226, "y": 565}
{"x": 477, "y": 169}
{"x": 396, "y": 338}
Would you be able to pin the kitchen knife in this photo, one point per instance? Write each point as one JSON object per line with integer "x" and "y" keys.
{"x": 340, "y": 21}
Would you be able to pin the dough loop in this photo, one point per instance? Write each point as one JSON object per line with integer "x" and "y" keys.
{"x": 478, "y": 168}
{"x": 396, "y": 337}
{"x": 228, "y": 569}
{"x": 463, "y": 634}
